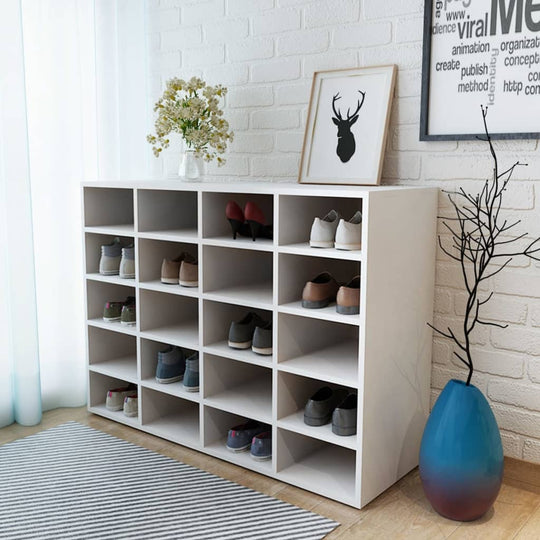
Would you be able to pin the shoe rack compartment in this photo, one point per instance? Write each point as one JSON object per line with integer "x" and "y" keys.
{"x": 93, "y": 243}
{"x": 238, "y": 275}
{"x": 216, "y": 426}
{"x": 315, "y": 465}
{"x": 236, "y": 387}
{"x": 296, "y": 270}
{"x": 298, "y": 212}
{"x": 217, "y": 321}
{"x": 169, "y": 318}
{"x": 97, "y": 294}
{"x": 111, "y": 353}
{"x": 216, "y": 229}
{"x": 168, "y": 215}
{"x": 151, "y": 255}
{"x": 99, "y": 385}
{"x": 325, "y": 350}
{"x": 170, "y": 417}
{"x": 108, "y": 210}
{"x": 293, "y": 393}
{"x": 149, "y": 358}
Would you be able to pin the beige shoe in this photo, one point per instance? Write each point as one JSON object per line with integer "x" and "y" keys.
{"x": 170, "y": 268}
{"x": 349, "y": 233}
{"x": 189, "y": 272}
{"x": 116, "y": 396}
{"x": 131, "y": 406}
{"x": 348, "y": 297}
{"x": 320, "y": 291}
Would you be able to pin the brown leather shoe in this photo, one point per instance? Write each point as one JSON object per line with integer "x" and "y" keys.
{"x": 320, "y": 291}
{"x": 189, "y": 272}
{"x": 348, "y": 297}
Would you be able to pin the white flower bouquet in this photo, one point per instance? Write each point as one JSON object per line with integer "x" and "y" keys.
{"x": 192, "y": 110}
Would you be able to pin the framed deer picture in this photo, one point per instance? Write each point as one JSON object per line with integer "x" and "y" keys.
{"x": 347, "y": 124}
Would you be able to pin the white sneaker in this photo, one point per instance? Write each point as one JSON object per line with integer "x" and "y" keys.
{"x": 349, "y": 233}
{"x": 323, "y": 231}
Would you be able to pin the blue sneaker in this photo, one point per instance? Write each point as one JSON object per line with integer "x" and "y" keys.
{"x": 261, "y": 446}
{"x": 171, "y": 365}
{"x": 191, "y": 375}
{"x": 239, "y": 437}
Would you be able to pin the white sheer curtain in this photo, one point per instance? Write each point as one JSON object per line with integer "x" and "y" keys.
{"x": 78, "y": 120}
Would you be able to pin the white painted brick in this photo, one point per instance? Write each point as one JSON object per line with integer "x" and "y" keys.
{"x": 406, "y": 56}
{"x": 512, "y": 393}
{"x": 514, "y": 146}
{"x": 181, "y": 38}
{"x": 511, "y": 445}
{"x": 250, "y": 96}
{"x": 455, "y": 167}
{"x": 247, "y": 7}
{"x": 276, "y": 21}
{"x": 225, "y": 31}
{"x": 441, "y": 375}
{"x": 517, "y": 283}
{"x": 449, "y": 274}
{"x": 517, "y": 339}
{"x": 275, "y": 119}
{"x": 286, "y": 165}
{"x": 361, "y": 35}
{"x": 531, "y": 451}
{"x": 293, "y": 94}
{"x": 330, "y": 12}
{"x": 164, "y": 19}
{"x": 167, "y": 63}
{"x": 276, "y": 70}
{"x": 400, "y": 166}
{"x": 238, "y": 120}
{"x": 302, "y": 42}
{"x": 326, "y": 61}
{"x": 235, "y": 166}
{"x": 518, "y": 196}
{"x": 289, "y": 141}
{"x": 443, "y": 300}
{"x": 499, "y": 363}
{"x": 288, "y": 3}
{"x": 499, "y": 308}
{"x": 227, "y": 75}
{"x": 517, "y": 421}
{"x": 202, "y": 11}
{"x": 408, "y": 84}
{"x": 250, "y": 49}
{"x": 203, "y": 56}
{"x": 442, "y": 351}
{"x": 409, "y": 29}
{"x": 252, "y": 143}
{"x": 377, "y": 9}
{"x": 534, "y": 370}
{"x": 480, "y": 335}
{"x": 407, "y": 138}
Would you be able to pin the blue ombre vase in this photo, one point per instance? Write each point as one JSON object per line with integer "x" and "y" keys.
{"x": 461, "y": 456}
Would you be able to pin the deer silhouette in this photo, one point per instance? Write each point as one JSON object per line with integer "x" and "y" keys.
{"x": 346, "y": 145}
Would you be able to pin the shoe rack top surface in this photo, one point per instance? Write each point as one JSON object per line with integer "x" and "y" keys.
{"x": 233, "y": 185}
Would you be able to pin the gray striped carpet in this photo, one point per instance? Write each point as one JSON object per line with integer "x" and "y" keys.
{"x": 72, "y": 481}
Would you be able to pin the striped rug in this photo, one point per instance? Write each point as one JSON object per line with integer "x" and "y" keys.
{"x": 72, "y": 481}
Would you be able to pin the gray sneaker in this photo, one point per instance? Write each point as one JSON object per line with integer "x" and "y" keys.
{"x": 127, "y": 263}
{"x": 241, "y": 332}
{"x": 344, "y": 416}
{"x": 191, "y": 375}
{"x": 262, "y": 340}
{"x": 171, "y": 365}
{"x": 111, "y": 254}
{"x": 239, "y": 437}
{"x": 320, "y": 406}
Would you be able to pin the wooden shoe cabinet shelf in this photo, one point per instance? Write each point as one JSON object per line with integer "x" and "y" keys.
{"x": 384, "y": 353}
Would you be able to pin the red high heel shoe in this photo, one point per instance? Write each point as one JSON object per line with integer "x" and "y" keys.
{"x": 255, "y": 219}
{"x": 235, "y": 216}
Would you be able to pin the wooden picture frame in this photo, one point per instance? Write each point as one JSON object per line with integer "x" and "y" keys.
{"x": 470, "y": 60}
{"x": 340, "y": 147}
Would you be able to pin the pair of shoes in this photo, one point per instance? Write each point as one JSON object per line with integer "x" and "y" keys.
{"x": 173, "y": 366}
{"x": 125, "y": 399}
{"x": 124, "y": 312}
{"x": 117, "y": 260}
{"x": 184, "y": 270}
{"x": 251, "y": 331}
{"x": 324, "y": 289}
{"x": 247, "y": 222}
{"x": 333, "y": 231}
{"x": 252, "y": 435}
{"x": 338, "y": 405}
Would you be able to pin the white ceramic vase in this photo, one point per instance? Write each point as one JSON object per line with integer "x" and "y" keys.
{"x": 189, "y": 166}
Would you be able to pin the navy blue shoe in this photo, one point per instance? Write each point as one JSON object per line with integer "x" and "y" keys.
{"x": 171, "y": 365}
{"x": 261, "y": 446}
{"x": 239, "y": 437}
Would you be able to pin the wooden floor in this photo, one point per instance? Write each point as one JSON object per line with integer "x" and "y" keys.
{"x": 400, "y": 512}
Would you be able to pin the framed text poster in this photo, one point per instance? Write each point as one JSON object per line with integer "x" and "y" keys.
{"x": 481, "y": 52}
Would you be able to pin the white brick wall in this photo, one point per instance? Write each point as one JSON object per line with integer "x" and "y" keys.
{"x": 265, "y": 51}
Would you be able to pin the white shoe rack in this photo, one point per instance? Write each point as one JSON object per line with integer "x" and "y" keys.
{"x": 383, "y": 354}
